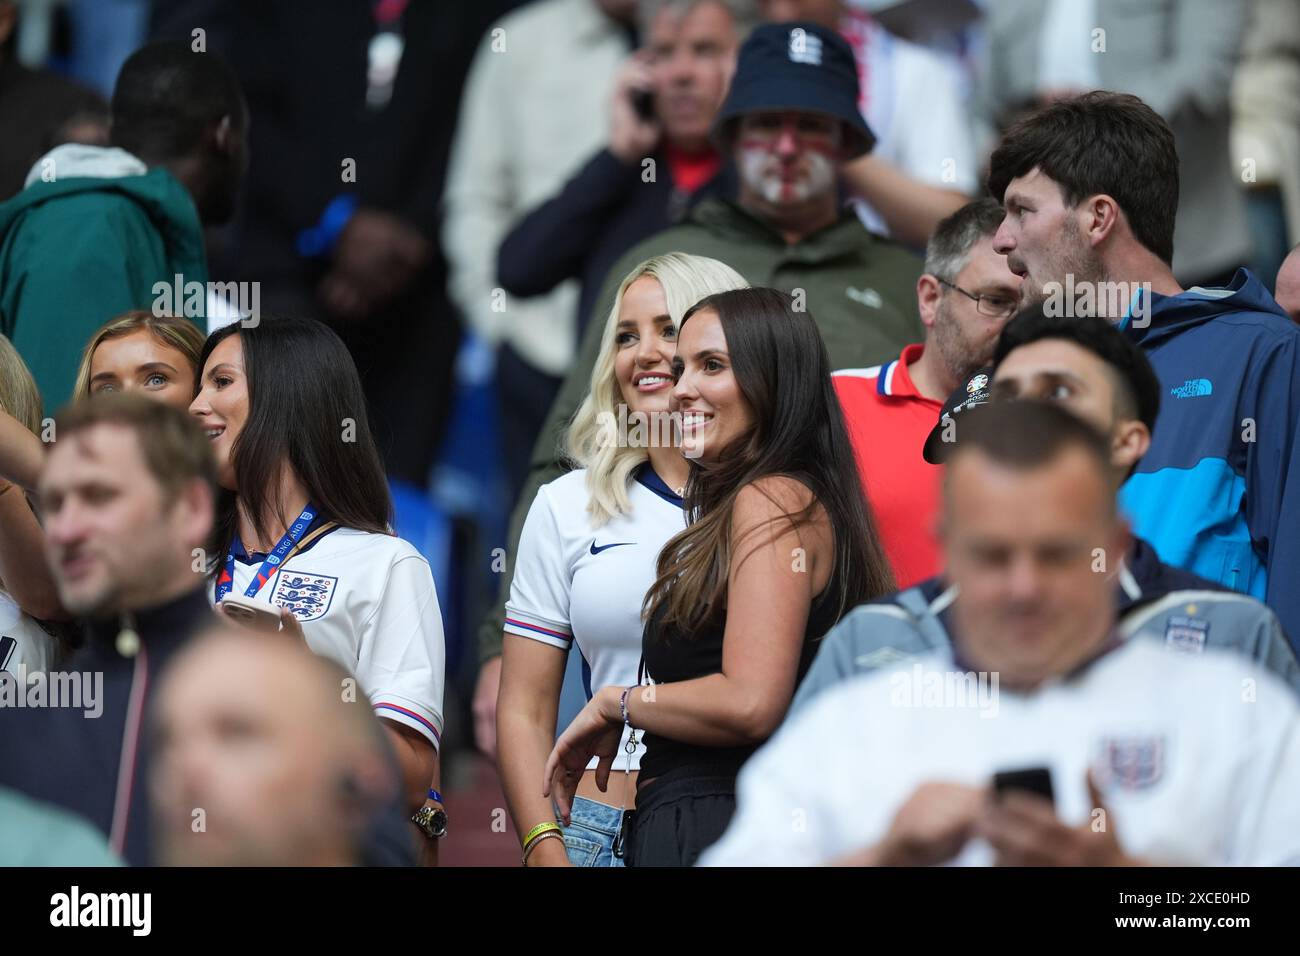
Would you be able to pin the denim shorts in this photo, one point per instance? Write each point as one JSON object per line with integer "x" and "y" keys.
{"x": 589, "y": 837}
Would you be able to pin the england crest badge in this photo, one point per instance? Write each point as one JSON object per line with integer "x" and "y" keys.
{"x": 308, "y": 596}
{"x": 1186, "y": 634}
{"x": 1132, "y": 763}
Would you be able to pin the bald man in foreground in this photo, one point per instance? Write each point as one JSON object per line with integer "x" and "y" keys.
{"x": 1038, "y": 736}
{"x": 265, "y": 755}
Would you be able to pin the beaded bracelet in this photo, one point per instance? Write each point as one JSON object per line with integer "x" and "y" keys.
{"x": 622, "y": 706}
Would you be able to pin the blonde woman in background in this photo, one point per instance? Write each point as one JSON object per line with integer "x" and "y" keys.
{"x": 587, "y": 556}
{"x": 27, "y": 593}
{"x": 157, "y": 355}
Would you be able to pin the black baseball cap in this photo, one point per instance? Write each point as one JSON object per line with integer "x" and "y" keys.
{"x": 972, "y": 393}
{"x": 797, "y": 66}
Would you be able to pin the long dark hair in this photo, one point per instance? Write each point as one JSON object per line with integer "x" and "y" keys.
{"x": 784, "y": 373}
{"x": 306, "y": 408}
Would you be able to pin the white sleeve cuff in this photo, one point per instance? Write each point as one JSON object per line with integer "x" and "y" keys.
{"x": 538, "y": 629}
{"x": 409, "y": 714}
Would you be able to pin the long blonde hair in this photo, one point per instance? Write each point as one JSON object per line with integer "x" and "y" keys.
{"x": 19, "y": 395}
{"x": 181, "y": 334}
{"x": 21, "y": 399}
{"x": 685, "y": 279}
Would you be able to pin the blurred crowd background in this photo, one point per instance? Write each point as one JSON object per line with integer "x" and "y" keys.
{"x": 443, "y": 133}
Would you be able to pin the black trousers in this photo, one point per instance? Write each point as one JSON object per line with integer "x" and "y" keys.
{"x": 678, "y": 819}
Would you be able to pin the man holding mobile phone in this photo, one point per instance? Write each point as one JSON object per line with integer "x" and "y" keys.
{"x": 942, "y": 758}
{"x": 657, "y": 163}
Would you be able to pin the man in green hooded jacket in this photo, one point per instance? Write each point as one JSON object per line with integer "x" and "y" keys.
{"x": 95, "y": 229}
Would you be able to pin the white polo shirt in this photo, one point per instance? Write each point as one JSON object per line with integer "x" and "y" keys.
{"x": 367, "y": 602}
{"x": 1197, "y": 759}
{"x": 579, "y": 585}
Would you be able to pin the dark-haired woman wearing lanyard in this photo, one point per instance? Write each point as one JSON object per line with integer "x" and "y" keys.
{"x": 303, "y": 525}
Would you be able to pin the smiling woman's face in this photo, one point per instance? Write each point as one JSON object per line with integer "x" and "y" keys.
{"x": 714, "y": 410}
{"x": 140, "y": 361}
{"x": 222, "y": 404}
{"x": 644, "y": 341}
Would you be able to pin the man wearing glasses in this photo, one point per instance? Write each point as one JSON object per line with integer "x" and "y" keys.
{"x": 965, "y": 296}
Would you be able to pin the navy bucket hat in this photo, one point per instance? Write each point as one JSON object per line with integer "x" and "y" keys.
{"x": 797, "y": 66}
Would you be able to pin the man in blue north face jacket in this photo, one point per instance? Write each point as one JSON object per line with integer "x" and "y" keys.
{"x": 1218, "y": 493}
{"x": 1090, "y": 187}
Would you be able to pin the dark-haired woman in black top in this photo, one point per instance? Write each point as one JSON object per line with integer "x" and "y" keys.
{"x": 779, "y": 545}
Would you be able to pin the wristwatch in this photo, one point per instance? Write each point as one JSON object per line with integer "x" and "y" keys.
{"x": 432, "y": 822}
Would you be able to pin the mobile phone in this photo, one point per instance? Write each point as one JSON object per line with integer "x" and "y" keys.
{"x": 7, "y": 647}
{"x": 643, "y": 104}
{"x": 1036, "y": 780}
{"x": 251, "y": 612}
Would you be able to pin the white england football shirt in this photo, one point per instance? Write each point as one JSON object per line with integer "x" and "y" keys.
{"x": 1197, "y": 759}
{"x": 367, "y": 602}
{"x": 579, "y": 585}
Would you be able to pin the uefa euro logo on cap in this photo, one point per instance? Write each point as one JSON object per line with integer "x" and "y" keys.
{"x": 805, "y": 47}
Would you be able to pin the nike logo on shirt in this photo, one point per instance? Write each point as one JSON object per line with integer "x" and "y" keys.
{"x": 606, "y": 547}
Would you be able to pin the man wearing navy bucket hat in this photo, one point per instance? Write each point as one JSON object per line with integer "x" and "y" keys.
{"x": 789, "y": 122}
{"x": 801, "y": 80}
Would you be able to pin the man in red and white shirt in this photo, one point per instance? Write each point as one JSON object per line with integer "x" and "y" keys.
{"x": 965, "y": 296}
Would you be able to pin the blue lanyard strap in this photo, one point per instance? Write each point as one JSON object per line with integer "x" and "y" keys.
{"x": 226, "y": 579}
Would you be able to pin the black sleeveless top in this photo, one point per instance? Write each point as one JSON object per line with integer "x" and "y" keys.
{"x": 670, "y": 657}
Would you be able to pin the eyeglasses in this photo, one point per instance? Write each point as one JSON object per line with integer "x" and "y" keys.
{"x": 994, "y": 306}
